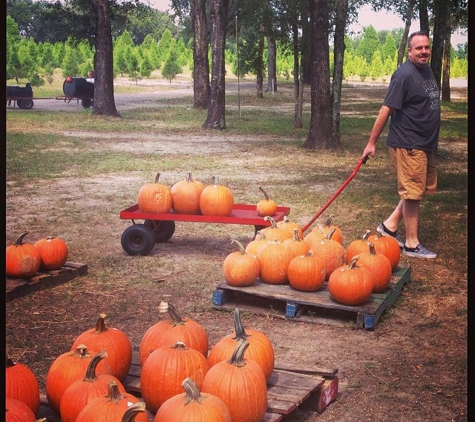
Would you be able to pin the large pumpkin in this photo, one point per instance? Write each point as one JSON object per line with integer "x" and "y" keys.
{"x": 22, "y": 259}
{"x": 18, "y": 411}
{"x": 350, "y": 284}
{"x": 53, "y": 251}
{"x": 114, "y": 341}
{"x": 216, "y": 199}
{"x": 167, "y": 333}
{"x": 274, "y": 258}
{"x": 306, "y": 272}
{"x": 240, "y": 268}
{"x": 21, "y": 384}
{"x": 266, "y": 207}
{"x": 155, "y": 197}
{"x": 388, "y": 246}
{"x": 260, "y": 347}
{"x": 186, "y": 195}
{"x": 192, "y": 405}
{"x": 380, "y": 267}
{"x": 164, "y": 371}
{"x": 241, "y": 384}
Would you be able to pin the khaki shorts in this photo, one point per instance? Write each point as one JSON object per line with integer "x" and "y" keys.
{"x": 416, "y": 172}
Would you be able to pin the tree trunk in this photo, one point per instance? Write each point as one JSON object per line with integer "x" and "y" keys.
{"x": 200, "y": 55}
{"x": 260, "y": 65}
{"x": 104, "y": 103}
{"x": 341, "y": 17}
{"x": 446, "y": 64}
{"x": 217, "y": 99}
{"x": 306, "y": 45}
{"x": 407, "y": 26}
{"x": 271, "y": 64}
{"x": 441, "y": 15}
{"x": 424, "y": 16}
{"x": 297, "y": 79}
{"x": 320, "y": 133}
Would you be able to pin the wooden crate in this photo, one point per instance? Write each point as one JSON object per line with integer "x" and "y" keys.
{"x": 285, "y": 302}
{"x": 18, "y": 287}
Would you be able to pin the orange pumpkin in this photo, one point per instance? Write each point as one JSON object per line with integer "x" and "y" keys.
{"x": 114, "y": 406}
{"x": 17, "y": 411}
{"x": 114, "y": 341}
{"x": 167, "y": 333}
{"x": 357, "y": 246}
{"x": 380, "y": 267}
{"x": 192, "y": 405}
{"x": 254, "y": 245}
{"x": 285, "y": 223}
{"x": 186, "y": 195}
{"x": 315, "y": 235}
{"x": 274, "y": 259}
{"x": 53, "y": 251}
{"x": 260, "y": 347}
{"x": 306, "y": 272}
{"x": 296, "y": 245}
{"x": 274, "y": 232}
{"x": 22, "y": 259}
{"x": 155, "y": 197}
{"x": 216, "y": 199}
{"x": 266, "y": 207}
{"x": 350, "y": 284}
{"x": 388, "y": 246}
{"x": 328, "y": 225}
{"x": 241, "y": 384}
{"x": 164, "y": 371}
{"x": 21, "y": 384}
{"x": 241, "y": 268}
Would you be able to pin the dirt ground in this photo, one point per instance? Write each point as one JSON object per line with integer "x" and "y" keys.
{"x": 411, "y": 367}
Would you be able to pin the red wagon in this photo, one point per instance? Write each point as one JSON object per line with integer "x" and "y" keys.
{"x": 139, "y": 239}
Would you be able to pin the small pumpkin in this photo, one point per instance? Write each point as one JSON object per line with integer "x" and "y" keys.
{"x": 350, "y": 284}
{"x": 254, "y": 245}
{"x": 186, "y": 195}
{"x": 380, "y": 267}
{"x": 285, "y": 223}
{"x": 388, "y": 246}
{"x": 18, "y": 411}
{"x": 21, "y": 384}
{"x": 192, "y": 405}
{"x": 241, "y": 268}
{"x": 274, "y": 232}
{"x": 168, "y": 333}
{"x": 274, "y": 258}
{"x": 306, "y": 272}
{"x": 22, "y": 259}
{"x": 296, "y": 245}
{"x": 53, "y": 251}
{"x": 155, "y": 197}
{"x": 164, "y": 371}
{"x": 216, "y": 199}
{"x": 266, "y": 207}
{"x": 114, "y": 341}
{"x": 357, "y": 246}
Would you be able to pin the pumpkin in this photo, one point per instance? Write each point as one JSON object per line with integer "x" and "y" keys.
{"x": 274, "y": 232}
{"x": 380, "y": 267}
{"x": 186, "y": 195}
{"x": 167, "y": 333}
{"x": 296, "y": 245}
{"x": 328, "y": 225}
{"x": 285, "y": 223}
{"x": 331, "y": 251}
{"x": 86, "y": 389}
{"x": 68, "y": 368}
{"x": 240, "y": 268}
{"x": 315, "y": 235}
{"x": 192, "y": 405}
{"x": 114, "y": 341}
{"x": 388, "y": 246}
{"x": 22, "y": 259}
{"x": 113, "y": 407}
{"x": 350, "y": 284}
{"x": 274, "y": 258}
{"x": 306, "y": 272}
{"x": 260, "y": 347}
{"x": 164, "y": 371}
{"x": 21, "y": 384}
{"x": 53, "y": 251}
{"x": 216, "y": 199}
{"x": 254, "y": 245}
{"x": 241, "y": 384}
{"x": 18, "y": 411}
{"x": 155, "y": 197}
{"x": 357, "y": 246}
{"x": 266, "y": 207}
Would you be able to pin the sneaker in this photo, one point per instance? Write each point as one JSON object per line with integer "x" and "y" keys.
{"x": 418, "y": 252}
{"x": 383, "y": 231}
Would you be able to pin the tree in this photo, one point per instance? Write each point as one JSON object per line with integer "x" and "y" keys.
{"x": 171, "y": 68}
{"x": 369, "y": 44}
{"x": 217, "y": 101}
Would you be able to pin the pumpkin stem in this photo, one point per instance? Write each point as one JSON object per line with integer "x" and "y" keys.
{"x": 296, "y": 235}
{"x": 237, "y": 358}
{"x": 240, "y": 245}
{"x": 91, "y": 368}
{"x": 353, "y": 261}
{"x": 328, "y": 223}
{"x": 260, "y": 234}
{"x": 179, "y": 345}
{"x": 177, "y": 320}
{"x": 264, "y": 192}
{"x": 19, "y": 241}
{"x": 113, "y": 392}
{"x": 10, "y": 363}
{"x": 238, "y": 327}
{"x": 100, "y": 324}
{"x": 193, "y": 394}
{"x": 133, "y": 411}
{"x": 329, "y": 235}
{"x": 366, "y": 235}
{"x": 157, "y": 177}
{"x": 189, "y": 177}
{"x": 81, "y": 351}
{"x": 215, "y": 180}
{"x": 271, "y": 220}
{"x": 372, "y": 251}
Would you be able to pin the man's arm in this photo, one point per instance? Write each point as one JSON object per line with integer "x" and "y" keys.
{"x": 379, "y": 124}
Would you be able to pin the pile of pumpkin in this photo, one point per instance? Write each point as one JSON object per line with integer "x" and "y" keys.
{"x": 181, "y": 378}
{"x": 24, "y": 259}
{"x": 281, "y": 254}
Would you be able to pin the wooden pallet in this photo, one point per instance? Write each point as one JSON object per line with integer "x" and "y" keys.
{"x": 18, "y": 287}
{"x": 285, "y": 302}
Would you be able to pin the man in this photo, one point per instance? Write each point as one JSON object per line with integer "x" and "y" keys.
{"x": 90, "y": 77}
{"x": 412, "y": 101}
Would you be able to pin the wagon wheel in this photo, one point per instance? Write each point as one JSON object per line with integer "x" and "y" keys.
{"x": 86, "y": 102}
{"x": 138, "y": 239}
{"x": 162, "y": 229}
{"x": 26, "y": 103}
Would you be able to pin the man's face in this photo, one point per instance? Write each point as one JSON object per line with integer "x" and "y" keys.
{"x": 419, "y": 51}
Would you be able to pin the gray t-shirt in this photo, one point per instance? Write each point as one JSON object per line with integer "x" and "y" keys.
{"x": 413, "y": 95}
